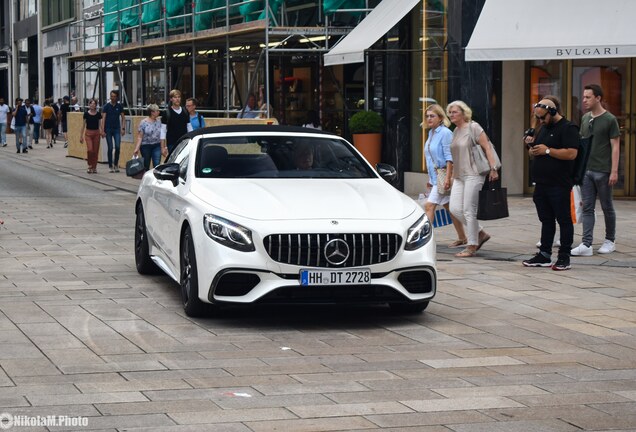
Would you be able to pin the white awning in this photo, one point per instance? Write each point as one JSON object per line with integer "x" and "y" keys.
{"x": 554, "y": 29}
{"x": 379, "y": 21}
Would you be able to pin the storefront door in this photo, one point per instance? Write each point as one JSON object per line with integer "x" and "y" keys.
{"x": 616, "y": 78}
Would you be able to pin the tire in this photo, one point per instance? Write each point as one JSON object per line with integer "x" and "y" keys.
{"x": 189, "y": 279}
{"x": 145, "y": 265}
{"x": 409, "y": 308}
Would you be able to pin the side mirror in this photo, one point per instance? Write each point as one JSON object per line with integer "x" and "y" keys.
{"x": 387, "y": 172}
{"x": 167, "y": 172}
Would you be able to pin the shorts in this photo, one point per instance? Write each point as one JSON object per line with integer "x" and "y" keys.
{"x": 435, "y": 198}
{"x": 48, "y": 124}
{"x": 64, "y": 127}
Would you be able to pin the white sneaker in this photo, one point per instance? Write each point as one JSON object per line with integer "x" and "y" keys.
{"x": 608, "y": 246}
{"x": 582, "y": 250}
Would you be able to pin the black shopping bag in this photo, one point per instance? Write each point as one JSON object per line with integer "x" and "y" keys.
{"x": 493, "y": 203}
{"x": 135, "y": 167}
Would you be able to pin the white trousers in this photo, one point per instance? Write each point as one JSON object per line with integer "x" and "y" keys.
{"x": 464, "y": 200}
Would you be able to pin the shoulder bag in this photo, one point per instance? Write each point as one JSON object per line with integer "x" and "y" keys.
{"x": 481, "y": 161}
{"x": 441, "y": 174}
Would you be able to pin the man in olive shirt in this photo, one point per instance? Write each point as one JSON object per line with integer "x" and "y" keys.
{"x": 602, "y": 170}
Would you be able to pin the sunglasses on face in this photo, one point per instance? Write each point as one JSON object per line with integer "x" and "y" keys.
{"x": 431, "y": 115}
{"x": 541, "y": 117}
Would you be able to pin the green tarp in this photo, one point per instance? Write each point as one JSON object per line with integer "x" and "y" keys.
{"x": 126, "y": 18}
{"x": 151, "y": 11}
{"x": 330, "y": 6}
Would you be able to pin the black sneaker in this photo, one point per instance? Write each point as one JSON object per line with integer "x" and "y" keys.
{"x": 562, "y": 264}
{"x": 538, "y": 261}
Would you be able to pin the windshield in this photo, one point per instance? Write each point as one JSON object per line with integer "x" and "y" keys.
{"x": 279, "y": 156}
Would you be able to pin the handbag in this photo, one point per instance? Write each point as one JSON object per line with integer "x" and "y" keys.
{"x": 576, "y": 204}
{"x": 441, "y": 174}
{"x": 135, "y": 166}
{"x": 493, "y": 203}
{"x": 479, "y": 157}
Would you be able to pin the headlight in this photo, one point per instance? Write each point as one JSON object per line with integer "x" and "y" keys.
{"x": 419, "y": 234}
{"x": 228, "y": 233}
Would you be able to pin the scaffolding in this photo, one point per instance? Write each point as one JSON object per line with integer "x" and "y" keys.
{"x": 219, "y": 51}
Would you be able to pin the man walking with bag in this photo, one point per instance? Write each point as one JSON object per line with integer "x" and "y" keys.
{"x": 602, "y": 170}
{"x": 554, "y": 149}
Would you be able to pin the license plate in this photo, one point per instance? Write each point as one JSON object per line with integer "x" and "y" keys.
{"x": 335, "y": 277}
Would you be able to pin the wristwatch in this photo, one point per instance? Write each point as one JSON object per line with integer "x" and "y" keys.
{"x": 547, "y": 151}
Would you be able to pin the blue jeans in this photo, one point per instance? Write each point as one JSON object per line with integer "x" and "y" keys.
{"x": 113, "y": 135}
{"x": 20, "y": 136}
{"x": 553, "y": 203}
{"x": 3, "y": 133}
{"x": 596, "y": 184}
{"x": 36, "y": 132}
{"x": 151, "y": 151}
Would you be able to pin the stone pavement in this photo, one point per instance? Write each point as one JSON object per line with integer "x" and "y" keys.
{"x": 502, "y": 348}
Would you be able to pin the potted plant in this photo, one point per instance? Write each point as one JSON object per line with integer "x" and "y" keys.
{"x": 366, "y": 128}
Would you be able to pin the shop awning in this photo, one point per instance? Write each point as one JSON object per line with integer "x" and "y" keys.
{"x": 379, "y": 21}
{"x": 549, "y": 29}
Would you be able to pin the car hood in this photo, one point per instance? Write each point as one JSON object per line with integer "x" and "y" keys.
{"x": 274, "y": 199}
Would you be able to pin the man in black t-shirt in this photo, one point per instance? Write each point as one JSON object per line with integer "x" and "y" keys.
{"x": 63, "y": 118}
{"x": 175, "y": 120}
{"x": 554, "y": 149}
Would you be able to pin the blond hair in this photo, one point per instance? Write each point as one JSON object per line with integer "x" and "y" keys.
{"x": 439, "y": 111}
{"x": 174, "y": 93}
{"x": 468, "y": 113}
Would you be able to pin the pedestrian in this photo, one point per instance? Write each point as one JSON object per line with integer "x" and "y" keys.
{"x": 56, "y": 109}
{"x": 149, "y": 143}
{"x": 249, "y": 111}
{"x": 602, "y": 170}
{"x": 4, "y": 111}
{"x": 75, "y": 106}
{"x": 29, "y": 126}
{"x": 196, "y": 119}
{"x": 438, "y": 154}
{"x": 554, "y": 149}
{"x": 113, "y": 127}
{"x": 21, "y": 116}
{"x": 63, "y": 118}
{"x": 48, "y": 122}
{"x": 37, "y": 121}
{"x": 175, "y": 121}
{"x": 90, "y": 135}
{"x": 467, "y": 181}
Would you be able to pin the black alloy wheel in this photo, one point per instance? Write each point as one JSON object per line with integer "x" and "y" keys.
{"x": 189, "y": 279}
{"x": 145, "y": 265}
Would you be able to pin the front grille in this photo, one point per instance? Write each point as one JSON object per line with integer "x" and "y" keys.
{"x": 309, "y": 249}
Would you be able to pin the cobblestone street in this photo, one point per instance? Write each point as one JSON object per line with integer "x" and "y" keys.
{"x": 500, "y": 348}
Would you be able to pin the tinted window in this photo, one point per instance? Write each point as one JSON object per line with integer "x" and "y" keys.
{"x": 279, "y": 156}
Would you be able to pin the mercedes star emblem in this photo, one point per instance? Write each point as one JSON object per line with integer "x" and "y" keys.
{"x": 336, "y": 251}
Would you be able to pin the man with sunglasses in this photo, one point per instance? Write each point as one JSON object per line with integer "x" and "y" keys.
{"x": 553, "y": 149}
{"x": 602, "y": 170}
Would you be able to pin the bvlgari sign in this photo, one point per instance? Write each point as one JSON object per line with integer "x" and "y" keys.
{"x": 587, "y": 52}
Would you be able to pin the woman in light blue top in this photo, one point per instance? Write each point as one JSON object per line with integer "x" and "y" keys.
{"x": 438, "y": 154}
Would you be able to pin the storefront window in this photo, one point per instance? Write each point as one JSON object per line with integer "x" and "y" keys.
{"x": 430, "y": 70}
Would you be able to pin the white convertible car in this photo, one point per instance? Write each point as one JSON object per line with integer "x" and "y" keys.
{"x": 272, "y": 214}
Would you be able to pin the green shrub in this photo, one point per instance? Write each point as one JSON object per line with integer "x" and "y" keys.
{"x": 365, "y": 122}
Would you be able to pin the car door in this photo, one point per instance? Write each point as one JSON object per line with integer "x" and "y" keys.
{"x": 170, "y": 204}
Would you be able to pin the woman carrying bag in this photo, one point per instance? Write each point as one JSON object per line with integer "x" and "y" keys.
{"x": 440, "y": 168}
{"x": 467, "y": 180}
